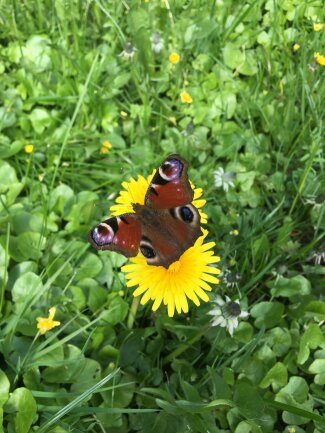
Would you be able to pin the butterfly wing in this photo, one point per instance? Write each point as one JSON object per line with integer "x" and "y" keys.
{"x": 168, "y": 233}
{"x": 170, "y": 186}
{"x": 121, "y": 234}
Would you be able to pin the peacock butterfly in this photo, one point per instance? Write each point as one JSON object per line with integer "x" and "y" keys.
{"x": 163, "y": 228}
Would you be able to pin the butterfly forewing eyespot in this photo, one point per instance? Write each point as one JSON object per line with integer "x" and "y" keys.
{"x": 102, "y": 234}
{"x": 171, "y": 169}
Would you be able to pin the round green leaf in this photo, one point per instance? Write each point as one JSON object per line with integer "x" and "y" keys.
{"x": 267, "y": 314}
{"x": 23, "y": 404}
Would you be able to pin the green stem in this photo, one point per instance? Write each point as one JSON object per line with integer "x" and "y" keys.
{"x": 133, "y": 312}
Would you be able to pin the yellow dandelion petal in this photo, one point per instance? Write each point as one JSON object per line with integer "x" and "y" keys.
{"x": 174, "y": 58}
{"x": 296, "y": 47}
{"x": 204, "y": 216}
{"x": 186, "y": 98}
{"x": 199, "y": 203}
{"x": 317, "y": 27}
{"x": 29, "y": 148}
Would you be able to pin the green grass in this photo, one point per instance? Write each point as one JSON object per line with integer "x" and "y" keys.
{"x": 258, "y": 111}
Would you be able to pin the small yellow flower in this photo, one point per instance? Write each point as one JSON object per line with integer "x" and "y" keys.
{"x": 234, "y": 232}
{"x": 174, "y": 58}
{"x": 172, "y": 120}
{"x": 29, "y": 148}
{"x": 319, "y": 59}
{"x": 296, "y": 47}
{"x": 317, "y": 27}
{"x": 106, "y": 144}
{"x": 123, "y": 114}
{"x": 186, "y": 98}
{"x": 47, "y": 323}
{"x": 103, "y": 150}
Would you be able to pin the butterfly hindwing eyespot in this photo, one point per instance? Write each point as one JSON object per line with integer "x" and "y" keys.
{"x": 188, "y": 214}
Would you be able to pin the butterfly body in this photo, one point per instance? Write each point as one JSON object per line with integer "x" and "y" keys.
{"x": 163, "y": 228}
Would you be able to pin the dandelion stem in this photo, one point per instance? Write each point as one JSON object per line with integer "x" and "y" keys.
{"x": 180, "y": 349}
{"x": 133, "y": 312}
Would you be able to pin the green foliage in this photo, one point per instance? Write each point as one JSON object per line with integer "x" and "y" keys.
{"x": 257, "y": 112}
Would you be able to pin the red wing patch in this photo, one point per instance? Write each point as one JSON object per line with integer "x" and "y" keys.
{"x": 121, "y": 234}
{"x": 170, "y": 186}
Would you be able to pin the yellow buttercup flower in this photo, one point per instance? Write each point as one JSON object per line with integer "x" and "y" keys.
{"x": 186, "y": 98}
{"x": 103, "y": 150}
{"x": 123, "y": 114}
{"x": 106, "y": 144}
{"x": 47, "y": 323}
{"x": 296, "y": 47}
{"x": 29, "y": 148}
{"x": 187, "y": 278}
{"x": 319, "y": 59}
{"x": 174, "y": 58}
{"x": 317, "y": 27}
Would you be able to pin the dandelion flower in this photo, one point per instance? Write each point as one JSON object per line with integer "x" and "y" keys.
{"x": 174, "y": 58}
{"x": 157, "y": 43}
{"x": 29, "y": 148}
{"x": 187, "y": 278}
{"x": 226, "y": 314}
{"x": 296, "y": 47}
{"x": 47, "y": 323}
{"x": 319, "y": 59}
{"x": 224, "y": 179}
{"x": 186, "y": 98}
{"x": 317, "y": 27}
{"x": 123, "y": 114}
{"x": 128, "y": 52}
